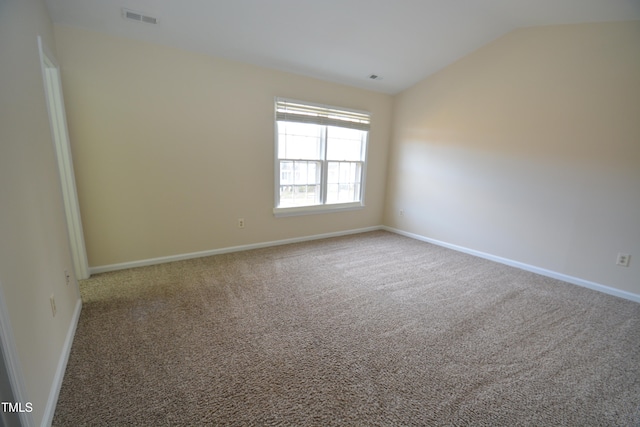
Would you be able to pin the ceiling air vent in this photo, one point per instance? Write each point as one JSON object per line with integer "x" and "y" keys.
{"x": 138, "y": 17}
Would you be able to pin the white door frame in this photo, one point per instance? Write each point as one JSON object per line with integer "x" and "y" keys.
{"x": 60, "y": 133}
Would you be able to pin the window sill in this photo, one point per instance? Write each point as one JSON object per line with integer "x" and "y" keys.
{"x": 317, "y": 209}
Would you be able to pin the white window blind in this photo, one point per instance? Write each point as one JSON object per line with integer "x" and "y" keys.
{"x": 295, "y": 111}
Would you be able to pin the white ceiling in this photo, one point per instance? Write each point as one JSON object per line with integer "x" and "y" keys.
{"x": 343, "y": 41}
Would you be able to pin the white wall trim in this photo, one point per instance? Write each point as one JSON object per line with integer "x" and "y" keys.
{"x": 543, "y": 272}
{"x": 180, "y": 257}
{"x": 54, "y": 393}
{"x": 517, "y": 264}
{"x": 12, "y": 362}
{"x": 62, "y": 147}
{"x": 317, "y": 209}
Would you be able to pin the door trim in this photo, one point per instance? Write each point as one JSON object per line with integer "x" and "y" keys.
{"x": 60, "y": 136}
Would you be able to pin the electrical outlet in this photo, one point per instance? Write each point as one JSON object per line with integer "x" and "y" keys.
{"x": 240, "y": 222}
{"x": 623, "y": 260}
{"x": 67, "y": 276}
{"x": 52, "y": 300}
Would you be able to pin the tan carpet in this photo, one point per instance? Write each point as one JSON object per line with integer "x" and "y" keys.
{"x": 371, "y": 329}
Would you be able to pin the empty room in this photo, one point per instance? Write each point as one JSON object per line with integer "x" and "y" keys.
{"x": 349, "y": 212}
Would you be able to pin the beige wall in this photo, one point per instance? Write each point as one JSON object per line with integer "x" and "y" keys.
{"x": 171, "y": 147}
{"x": 34, "y": 248}
{"x": 528, "y": 149}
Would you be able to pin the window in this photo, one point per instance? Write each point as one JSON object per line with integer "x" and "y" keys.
{"x": 320, "y": 157}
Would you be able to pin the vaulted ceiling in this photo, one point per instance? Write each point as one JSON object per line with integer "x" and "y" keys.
{"x": 344, "y": 41}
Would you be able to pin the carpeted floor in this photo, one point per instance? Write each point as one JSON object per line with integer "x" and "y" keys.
{"x": 371, "y": 329}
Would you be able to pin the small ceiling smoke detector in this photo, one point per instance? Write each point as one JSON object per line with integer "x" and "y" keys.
{"x": 138, "y": 17}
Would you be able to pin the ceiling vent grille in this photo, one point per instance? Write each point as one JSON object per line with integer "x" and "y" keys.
{"x": 138, "y": 17}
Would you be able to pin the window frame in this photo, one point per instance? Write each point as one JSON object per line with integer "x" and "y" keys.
{"x": 323, "y": 207}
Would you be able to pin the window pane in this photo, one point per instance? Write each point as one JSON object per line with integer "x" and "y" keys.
{"x": 299, "y": 195}
{"x": 332, "y": 193}
{"x": 345, "y": 144}
{"x": 300, "y": 183}
{"x": 344, "y": 182}
{"x": 313, "y": 173}
{"x": 286, "y": 173}
{"x": 333, "y": 173}
{"x": 299, "y": 141}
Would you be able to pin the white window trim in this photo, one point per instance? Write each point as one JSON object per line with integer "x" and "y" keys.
{"x": 314, "y": 209}
{"x": 280, "y": 212}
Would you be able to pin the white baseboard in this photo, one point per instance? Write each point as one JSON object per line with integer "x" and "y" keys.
{"x": 543, "y": 272}
{"x": 180, "y": 257}
{"x": 62, "y": 365}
